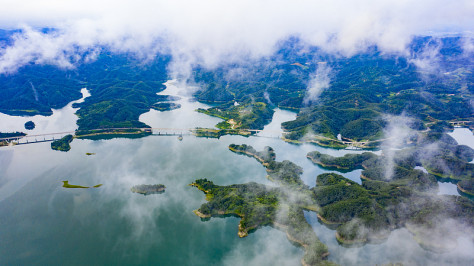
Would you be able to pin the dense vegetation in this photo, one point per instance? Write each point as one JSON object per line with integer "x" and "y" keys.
{"x": 121, "y": 89}
{"x": 120, "y": 92}
{"x": 362, "y": 89}
{"x": 347, "y": 162}
{"x": 36, "y": 89}
{"x": 360, "y": 213}
{"x": 62, "y": 144}
{"x": 370, "y": 211}
{"x": 394, "y": 193}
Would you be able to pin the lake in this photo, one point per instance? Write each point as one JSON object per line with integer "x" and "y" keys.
{"x": 45, "y": 224}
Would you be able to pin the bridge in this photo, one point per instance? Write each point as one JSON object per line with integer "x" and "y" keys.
{"x": 459, "y": 123}
{"x": 48, "y": 137}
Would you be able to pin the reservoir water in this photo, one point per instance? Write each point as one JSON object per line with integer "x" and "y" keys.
{"x": 45, "y": 224}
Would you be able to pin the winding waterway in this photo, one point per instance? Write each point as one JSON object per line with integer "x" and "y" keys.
{"x": 44, "y": 223}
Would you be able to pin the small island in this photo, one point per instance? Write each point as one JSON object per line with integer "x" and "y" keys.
{"x": 62, "y": 144}
{"x": 148, "y": 189}
{"x": 30, "y": 125}
{"x": 67, "y": 185}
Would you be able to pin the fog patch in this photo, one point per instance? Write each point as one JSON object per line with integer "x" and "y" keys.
{"x": 396, "y": 135}
{"x": 210, "y": 32}
{"x": 428, "y": 60}
{"x": 270, "y": 248}
{"x": 318, "y": 82}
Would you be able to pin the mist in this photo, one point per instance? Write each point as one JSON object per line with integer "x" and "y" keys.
{"x": 211, "y": 32}
{"x": 318, "y": 82}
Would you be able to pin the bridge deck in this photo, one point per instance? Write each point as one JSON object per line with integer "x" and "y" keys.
{"x": 47, "y": 137}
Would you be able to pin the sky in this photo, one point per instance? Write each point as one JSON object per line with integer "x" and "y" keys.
{"x": 210, "y": 32}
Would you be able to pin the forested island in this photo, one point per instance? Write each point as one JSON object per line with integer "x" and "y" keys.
{"x": 67, "y": 185}
{"x": 217, "y": 133}
{"x": 30, "y": 125}
{"x": 62, "y": 144}
{"x": 359, "y": 213}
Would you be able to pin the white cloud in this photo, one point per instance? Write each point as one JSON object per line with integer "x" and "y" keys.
{"x": 210, "y": 31}
{"x": 318, "y": 82}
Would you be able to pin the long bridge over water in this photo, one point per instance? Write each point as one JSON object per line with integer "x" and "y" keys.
{"x": 48, "y": 137}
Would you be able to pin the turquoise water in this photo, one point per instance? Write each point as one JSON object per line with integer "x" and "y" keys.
{"x": 45, "y": 224}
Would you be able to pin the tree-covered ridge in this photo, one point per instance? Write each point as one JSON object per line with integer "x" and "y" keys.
{"x": 362, "y": 90}
{"x": 347, "y": 162}
{"x": 366, "y": 87}
{"x": 11, "y": 134}
{"x": 121, "y": 90}
{"x": 36, "y": 89}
